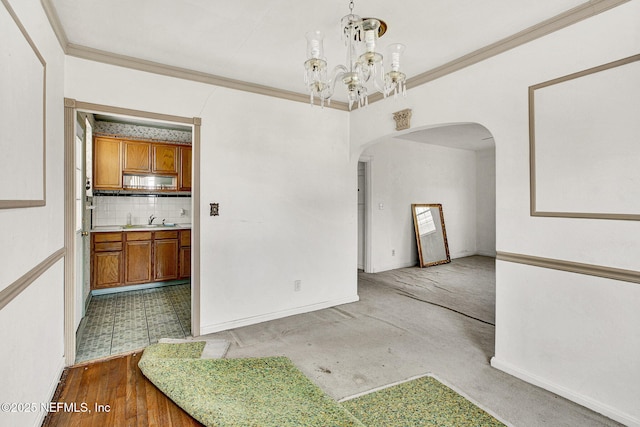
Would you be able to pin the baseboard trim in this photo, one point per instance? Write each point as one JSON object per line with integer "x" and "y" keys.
{"x": 578, "y": 398}
{"x": 13, "y": 290}
{"x": 53, "y": 387}
{"x": 490, "y": 254}
{"x": 572, "y": 267}
{"x": 218, "y": 327}
{"x": 405, "y": 264}
{"x": 140, "y": 287}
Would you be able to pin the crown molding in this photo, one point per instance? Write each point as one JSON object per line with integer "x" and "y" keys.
{"x": 563, "y": 20}
{"x": 558, "y": 22}
{"x": 91, "y": 54}
{"x": 56, "y": 25}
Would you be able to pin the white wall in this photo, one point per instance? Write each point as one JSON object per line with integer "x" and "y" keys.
{"x": 280, "y": 171}
{"x": 405, "y": 172}
{"x": 486, "y": 202}
{"x": 494, "y": 94}
{"x": 31, "y": 325}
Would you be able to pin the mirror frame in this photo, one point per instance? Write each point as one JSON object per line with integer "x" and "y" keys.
{"x": 417, "y": 233}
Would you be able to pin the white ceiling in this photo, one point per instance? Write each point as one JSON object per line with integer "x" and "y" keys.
{"x": 464, "y": 136}
{"x": 262, "y": 41}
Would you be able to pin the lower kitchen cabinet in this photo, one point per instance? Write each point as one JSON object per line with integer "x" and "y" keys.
{"x": 165, "y": 249}
{"x": 137, "y": 257}
{"x": 185, "y": 254}
{"x": 138, "y": 249}
{"x": 106, "y": 260}
{"x": 108, "y": 266}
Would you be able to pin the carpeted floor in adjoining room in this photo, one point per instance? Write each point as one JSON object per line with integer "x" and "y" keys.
{"x": 410, "y": 322}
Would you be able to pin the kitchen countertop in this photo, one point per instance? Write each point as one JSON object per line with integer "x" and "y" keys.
{"x": 141, "y": 227}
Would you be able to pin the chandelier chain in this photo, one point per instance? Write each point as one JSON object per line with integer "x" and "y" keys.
{"x": 351, "y": 7}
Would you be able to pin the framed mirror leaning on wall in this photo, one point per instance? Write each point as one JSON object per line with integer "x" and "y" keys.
{"x": 431, "y": 235}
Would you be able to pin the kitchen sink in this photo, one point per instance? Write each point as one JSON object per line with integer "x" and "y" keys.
{"x": 148, "y": 226}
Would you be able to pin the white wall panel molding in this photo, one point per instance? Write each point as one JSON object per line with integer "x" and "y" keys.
{"x": 14, "y": 289}
{"x": 23, "y": 84}
{"x": 563, "y": 184}
{"x": 572, "y": 267}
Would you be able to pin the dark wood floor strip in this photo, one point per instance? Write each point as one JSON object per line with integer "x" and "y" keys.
{"x": 117, "y": 382}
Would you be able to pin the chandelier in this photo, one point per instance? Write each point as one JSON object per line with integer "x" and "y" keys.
{"x": 365, "y": 67}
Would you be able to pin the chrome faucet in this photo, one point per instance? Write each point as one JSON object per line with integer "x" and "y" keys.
{"x": 151, "y": 218}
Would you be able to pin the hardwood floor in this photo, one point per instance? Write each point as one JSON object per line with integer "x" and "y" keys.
{"x": 112, "y": 392}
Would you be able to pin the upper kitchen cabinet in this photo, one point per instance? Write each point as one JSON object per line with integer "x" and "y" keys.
{"x": 107, "y": 164}
{"x": 185, "y": 169}
{"x": 165, "y": 159}
{"x": 137, "y": 156}
{"x": 141, "y": 166}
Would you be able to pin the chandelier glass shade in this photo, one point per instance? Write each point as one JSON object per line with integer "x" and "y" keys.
{"x": 364, "y": 69}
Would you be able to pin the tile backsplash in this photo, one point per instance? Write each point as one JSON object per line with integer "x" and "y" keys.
{"x": 113, "y": 210}
{"x": 142, "y": 132}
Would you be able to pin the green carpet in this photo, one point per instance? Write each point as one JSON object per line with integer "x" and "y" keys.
{"x": 272, "y": 392}
{"x": 264, "y": 392}
{"x": 420, "y": 402}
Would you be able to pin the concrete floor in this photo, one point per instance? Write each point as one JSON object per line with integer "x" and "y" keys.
{"x": 410, "y": 322}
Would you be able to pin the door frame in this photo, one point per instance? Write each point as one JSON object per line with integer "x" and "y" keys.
{"x": 71, "y": 107}
{"x": 368, "y": 229}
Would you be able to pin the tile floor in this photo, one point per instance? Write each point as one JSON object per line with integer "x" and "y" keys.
{"x": 125, "y": 321}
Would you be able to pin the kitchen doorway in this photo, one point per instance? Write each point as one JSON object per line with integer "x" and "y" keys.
{"x": 75, "y": 182}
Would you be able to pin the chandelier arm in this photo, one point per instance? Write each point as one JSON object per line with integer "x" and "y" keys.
{"x": 336, "y": 75}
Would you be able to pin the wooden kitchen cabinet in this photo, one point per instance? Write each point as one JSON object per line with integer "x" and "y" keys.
{"x": 165, "y": 255}
{"x": 184, "y": 260}
{"x": 165, "y": 159}
{"x": 107, "y": 164}
{"x": 185, "y": 169}
{"x": 138, "y": 257}
{"x": 137, "y": 156}
{"x": 141, "y": 165}
{"x": 106, "y": 260}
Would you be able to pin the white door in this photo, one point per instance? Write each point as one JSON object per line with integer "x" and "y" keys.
{"x": 80, "y": 232}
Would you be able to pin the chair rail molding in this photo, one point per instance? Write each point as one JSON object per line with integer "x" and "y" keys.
{"x": 632, "y": 276}
{"x": 16, "y": 288}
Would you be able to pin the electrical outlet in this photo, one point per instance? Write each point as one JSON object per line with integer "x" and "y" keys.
{"x": 297, "y": 285}
{"x": 393, "y": 252}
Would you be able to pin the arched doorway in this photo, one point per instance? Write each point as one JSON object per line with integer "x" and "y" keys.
{"x": 452, "y": 164}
